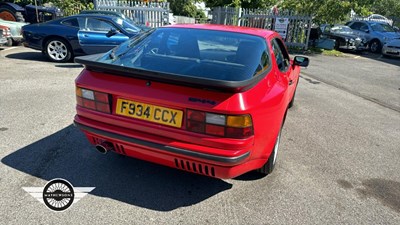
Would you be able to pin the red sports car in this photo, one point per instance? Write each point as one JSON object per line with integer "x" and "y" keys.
{"x": 207, "y": 99}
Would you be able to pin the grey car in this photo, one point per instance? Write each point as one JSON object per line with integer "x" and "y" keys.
{"x": 392, "y": 48}
{"x": 377, "y": 34}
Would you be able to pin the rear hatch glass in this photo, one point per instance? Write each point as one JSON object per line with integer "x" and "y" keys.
{"x": 194, "y": 52}
{"x": 191, "y": 55}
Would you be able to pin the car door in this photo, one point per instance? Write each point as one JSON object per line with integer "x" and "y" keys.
{"x": 93, "y": 38}
{"x": 361, "y": 29}
{"x": 285, "y": 69}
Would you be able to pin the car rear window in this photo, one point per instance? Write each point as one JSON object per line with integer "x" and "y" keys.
{"x": 218, "y": 55}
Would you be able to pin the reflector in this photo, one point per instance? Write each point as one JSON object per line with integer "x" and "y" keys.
{"x": 88, "y": 94}
{"x": 215, "y": 119}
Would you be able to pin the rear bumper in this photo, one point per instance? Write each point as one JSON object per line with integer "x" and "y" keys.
{"x": 165, "y": 153}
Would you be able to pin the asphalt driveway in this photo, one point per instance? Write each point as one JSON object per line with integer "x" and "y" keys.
{"x": 338, "y": 162}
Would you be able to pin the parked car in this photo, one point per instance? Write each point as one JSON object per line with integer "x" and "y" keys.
{"x": 392, "y": 48}
{"x": 208, "y": 99}
{"x": 376, "y": 33}
{"x": 345, "y": 38}
{"x": 5, "y": 36}
{"x": 15, "y": 29}
{"x": 62, "y": 39}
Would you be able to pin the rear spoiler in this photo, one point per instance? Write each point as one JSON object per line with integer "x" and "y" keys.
{"x": 90, "y": 63}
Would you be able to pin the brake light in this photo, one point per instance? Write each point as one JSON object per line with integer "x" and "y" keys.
{"x": 231, "y": 126}
{"x": 94, "y": 100}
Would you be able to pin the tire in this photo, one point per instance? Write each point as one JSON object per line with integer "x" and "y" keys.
{"x": 9, "y": 42}
{"x": 337, "y": 44}
{"x": 10, "y": 14}
{"x": 291, "y": 103}
{"x": 269, "y": 166}
{"x": 57, "y": 50}
{"x": 375, "y": 46}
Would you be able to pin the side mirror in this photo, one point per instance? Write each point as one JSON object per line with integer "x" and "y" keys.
{"x": 301, "y": 61}
{"x": 111, "y": 32}
{"x": 366, "y": 31}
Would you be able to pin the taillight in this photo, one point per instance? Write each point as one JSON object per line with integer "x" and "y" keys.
{"x": 95, "y": 100}
{"x": 231, "y": 126}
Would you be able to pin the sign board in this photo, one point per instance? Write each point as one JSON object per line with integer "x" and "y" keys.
{"x": 281, "y": 26}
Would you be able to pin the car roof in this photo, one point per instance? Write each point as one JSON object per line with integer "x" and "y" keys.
{"x": 236, "y": 29}
{"x": 369, "y": 21}
{"x": 101, "y": 12}
{"x": 92, "y": 15}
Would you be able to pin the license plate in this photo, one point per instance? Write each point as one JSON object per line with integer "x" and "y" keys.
{"x": 152, "y": 113}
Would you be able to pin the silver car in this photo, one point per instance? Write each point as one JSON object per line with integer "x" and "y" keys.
{"x": 392, "y": 48}
{"x": 15, "y": 28}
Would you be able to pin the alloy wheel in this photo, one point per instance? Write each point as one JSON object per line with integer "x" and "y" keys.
{"x": 57, "y": 50}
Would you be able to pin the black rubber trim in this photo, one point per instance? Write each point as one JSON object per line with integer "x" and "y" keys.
{"x": 222, "y": 159}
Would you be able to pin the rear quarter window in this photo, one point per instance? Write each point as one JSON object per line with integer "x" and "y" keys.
{"x": 71, "y": 22}
{"x": 218, "y": 55}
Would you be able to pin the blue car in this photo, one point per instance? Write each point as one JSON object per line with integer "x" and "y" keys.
{"x": 62, "y": 39}
{"x": 376, "y": 33}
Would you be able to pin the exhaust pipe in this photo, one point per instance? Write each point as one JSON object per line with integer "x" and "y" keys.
{"x": 104, "y": 147}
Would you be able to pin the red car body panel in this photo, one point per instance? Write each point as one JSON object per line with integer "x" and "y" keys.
{"x": 220, "y": 157}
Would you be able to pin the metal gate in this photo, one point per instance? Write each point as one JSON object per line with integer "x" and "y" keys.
{"x": 153, "y": 14}
{"x": 297, "y": 32}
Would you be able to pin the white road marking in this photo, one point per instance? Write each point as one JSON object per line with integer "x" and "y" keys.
{"x": 10, "y": 48}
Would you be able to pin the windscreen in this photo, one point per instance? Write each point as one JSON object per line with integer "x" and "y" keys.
{"x": 129, "y": 27}
{"x": 197, "y": 53}
{"x": 381, "y": 27}
{"x": 342, "y": 30}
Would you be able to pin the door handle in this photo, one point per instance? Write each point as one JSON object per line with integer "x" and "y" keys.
{"x": 290, "y": 82}
{"x": 85, "y": 35}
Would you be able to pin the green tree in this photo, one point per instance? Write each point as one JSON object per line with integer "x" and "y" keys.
{"x": 242, "y": 3}
{"x": 329, "y": 11}
{"x": 183, "y": 7}
{"x": 388, "y": 8}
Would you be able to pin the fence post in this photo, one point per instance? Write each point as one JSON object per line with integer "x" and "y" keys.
{"x": 95, "y": 4}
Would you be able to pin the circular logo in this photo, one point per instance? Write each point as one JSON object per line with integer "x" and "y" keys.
{"x": 58, "y": 194}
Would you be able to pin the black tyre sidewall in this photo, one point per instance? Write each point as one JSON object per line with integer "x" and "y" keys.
{"x": 291, "y": 103}
{"x": 269, "y": 166}
{"x": 379, "y": 46}
{"x": 9, "y": 42}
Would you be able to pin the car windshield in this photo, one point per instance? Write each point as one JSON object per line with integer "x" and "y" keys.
{"x": 126, "y": 25}
{"x": 197, "y": 53}
{"x": 342, "y": 30}
{"x": 382, "y": 27}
